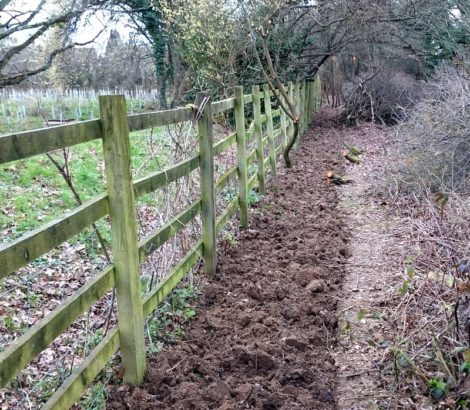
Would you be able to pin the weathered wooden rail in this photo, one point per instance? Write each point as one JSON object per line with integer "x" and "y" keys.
{"x": 113, "y": 129}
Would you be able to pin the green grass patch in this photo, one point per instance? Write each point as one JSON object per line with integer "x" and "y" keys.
{"x": 168, "y": 322}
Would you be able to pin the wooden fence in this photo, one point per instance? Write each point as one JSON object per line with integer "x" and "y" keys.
{"x": 119, "y": 203}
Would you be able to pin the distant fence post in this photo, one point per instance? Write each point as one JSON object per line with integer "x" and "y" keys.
{"x": 123, "y": 216}
{"x": 241, "y": 155}
{"x": 301, "y": 106}
{"x": 270, "y": 128}
{"x": 290, "y": 93}
{"x": 206, "y": 154}
{"x": 297, "y": 104}
{"x": 318, "y": 93}
{"x": 310, "y": 101}
{"x": 283, "y": 123}
{"x": 314, "y": 93}
{"x": 313, "y": 101}
{"x": 303, "y": 102}
{"x": 259, "y": 137}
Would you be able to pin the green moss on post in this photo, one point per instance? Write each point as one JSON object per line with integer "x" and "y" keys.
{"x": 283, "y": 127}
{"x": 303, "y": 102}
{"x": 206, "y": 163}
{"x": 297, "y": 104}
{"x": 117, "y": 159}
{"x": 301, "y": 108}
{"x": 309, "y": 102}
{"x": 318, "y": 90}
{"x": 270, "y": 128}
{"x": 290, "y": 93}
{"x": 314, "y": 101}
{"x": 259, "y": 137}
{"x": 241, "y": 156}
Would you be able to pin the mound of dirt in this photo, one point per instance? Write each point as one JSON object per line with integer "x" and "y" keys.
{"x": 266, "y": 322}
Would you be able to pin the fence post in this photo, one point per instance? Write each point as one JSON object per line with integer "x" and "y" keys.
{"x": 270, "y": 128}
{"x": 301, "y": 106}
{"x": 259, "y": 137}
{"x": 312, "y": 100}
{"x": 309, "y": 102}
{"x": 318, "y": 94}
{"x": 304, "y": 105}
{"x": 297, "y": 104}
{"x": 283, "y": 124}
{"x": 117, "y": 160}
{"x": 290, "y": 94}
{"x": 241, "y": 155}
{"x": 315, "y": 94}
{"x": 206, "y": 161}
{"x": 298, "y": 96}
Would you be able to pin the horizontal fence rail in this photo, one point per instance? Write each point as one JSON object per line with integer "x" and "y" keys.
{"x": 268, "y": 130}
{"x": 40, "y": 241}
{"x": 29, "y": 143}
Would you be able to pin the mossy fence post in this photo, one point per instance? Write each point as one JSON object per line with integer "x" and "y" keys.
{"x": 206, "y": 161}
{"x": 270, "y": 128}
{"x": 283, "y": 125}
{"x": 303, "y": 102}
{"x": 241, "y": 155}
{"x": 313, "y": 102}
{"x": 301, "y": 107}
{"x": 290, "y": 94}
{"x": 259, "y": 137}
{"x": 318, "y": 90}
{"x": 122, "y": 211}
{"x": 297, "y": 104}
{"x": 309, "y": 102}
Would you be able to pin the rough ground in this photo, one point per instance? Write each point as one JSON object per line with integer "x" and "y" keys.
{"x": 267, "y": 322}
{"x": 373, "y": 276}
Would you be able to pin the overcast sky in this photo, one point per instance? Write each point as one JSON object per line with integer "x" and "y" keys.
{"x": 86, "y": 31}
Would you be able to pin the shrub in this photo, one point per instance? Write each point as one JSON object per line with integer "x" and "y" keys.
{"x": 382, "y": 96}
{"x": 436, "y": 137}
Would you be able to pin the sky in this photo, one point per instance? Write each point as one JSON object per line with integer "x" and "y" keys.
{"x": 86, "y": 31}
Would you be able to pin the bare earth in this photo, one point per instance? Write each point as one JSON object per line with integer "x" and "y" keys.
{"x": 296, "y": 317}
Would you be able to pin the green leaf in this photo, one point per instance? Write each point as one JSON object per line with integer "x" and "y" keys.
{"x": 190, "y": 313}
{"x": 465, "y": 367}
{"x": 9, "y": 323}
{"x": 404, "y": 288}
{"x": 361, "y": 314}
{"x": 372, "y": 342}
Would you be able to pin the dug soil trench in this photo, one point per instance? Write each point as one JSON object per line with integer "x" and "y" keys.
{"x": 267, "y": 323}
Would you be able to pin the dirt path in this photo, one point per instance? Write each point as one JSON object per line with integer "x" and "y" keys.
{"x": 372, "y": 277}
{"x": 266, "y": 324}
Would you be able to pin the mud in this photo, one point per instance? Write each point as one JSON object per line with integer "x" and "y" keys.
{"x": 267, "y": 321}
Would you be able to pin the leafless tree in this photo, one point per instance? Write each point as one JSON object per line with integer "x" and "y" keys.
{"x": 24, "y": 27}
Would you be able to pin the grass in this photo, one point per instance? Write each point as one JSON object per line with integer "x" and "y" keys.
{"x": 168, "y": 322}
{"x": 34, "y": 192}
{"x": 95, "y": 398}
{"x": 21, "y": 111}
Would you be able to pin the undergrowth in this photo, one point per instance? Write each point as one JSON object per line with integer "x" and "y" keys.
{"x": 168, "y": 323}
{"x": 430, "y": 188}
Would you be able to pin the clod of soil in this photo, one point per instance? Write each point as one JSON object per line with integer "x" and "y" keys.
{"x": 264, "y": 326}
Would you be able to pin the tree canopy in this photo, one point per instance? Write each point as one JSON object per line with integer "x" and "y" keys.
{"x": 208, "y": 44}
